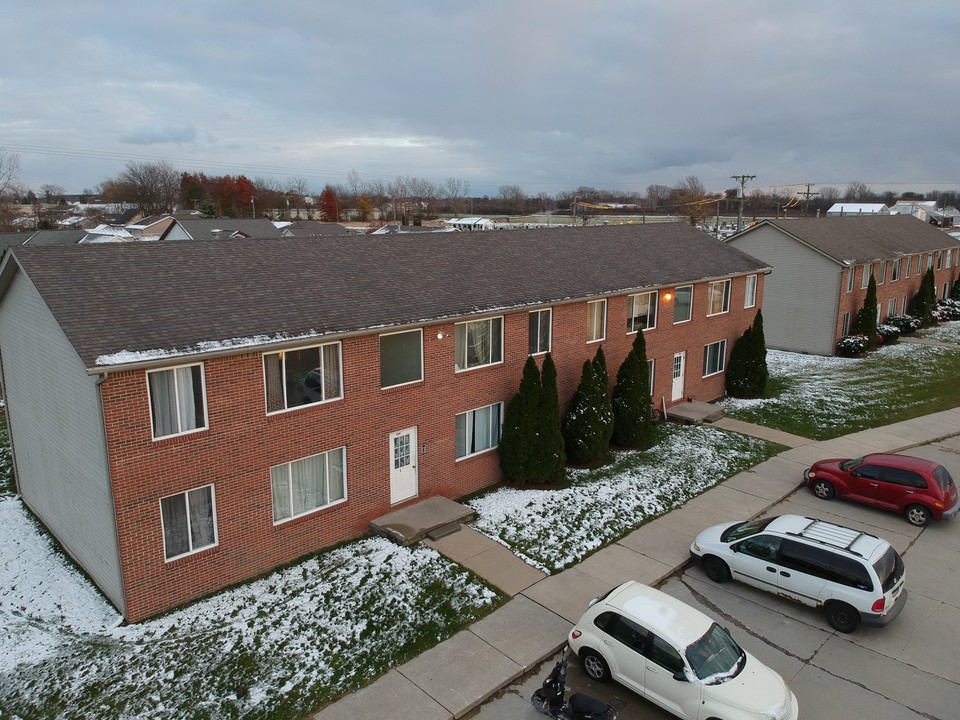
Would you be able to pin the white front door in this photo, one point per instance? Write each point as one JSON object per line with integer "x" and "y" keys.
{"x": 678, "y": 364}
{"x": 403, "y": 465}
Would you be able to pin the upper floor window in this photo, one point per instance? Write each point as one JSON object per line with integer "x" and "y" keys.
{"x": 895, "y": 274}
{"x": 939, "y": 260}
{"x": 478, "y": 430}
{"x": 596, "y": 320}
{"x": 189, "y": 521}
{"x": 850, "y": 275}
{"x": 882, "y": 275}
{"x": 308, "y": 484}
{"x": 478, "y": 343}
{"x": 714, "y": 358}
{"x": 401, "y": 358}
{"x": 906, "y": 266}
{"x": 929, "y": 262}
{"x": 865, "y": 276}
{"x": 302, "y": 377}
{"x": 682, "y": 303}
{"x": 177, "y": 400}
{"x": 539, "y": 337}
{"x": 718, "y": 297}
{"x": 948, "y": 258}
{"x": 750, "y": 292}
{"x": 642, "y": 311}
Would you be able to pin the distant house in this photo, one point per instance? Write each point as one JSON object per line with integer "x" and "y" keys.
{"x": 845, "y": 209}
{"x": 310, "y": 228}
{"x": 395, "y": 229}
{"x": 471, "y": 223}
{"x": 822, "y": 268}
{"x": 228, "y": 406}
{"x": 925, "y": 210}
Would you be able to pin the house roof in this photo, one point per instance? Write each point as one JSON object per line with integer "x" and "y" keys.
{"x": 311, "y": 228}
{"x": 205, "y": 228}
{"x": 859, "y": 239}
{"x": 56, "y": 237}
{"x": 137, "y": 303}
{"x": 859, "y": 208}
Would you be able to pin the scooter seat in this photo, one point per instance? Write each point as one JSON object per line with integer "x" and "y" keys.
{"x": 581, "y": 703}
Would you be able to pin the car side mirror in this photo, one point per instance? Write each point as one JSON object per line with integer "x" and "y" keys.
{"x": 680, "y": 675}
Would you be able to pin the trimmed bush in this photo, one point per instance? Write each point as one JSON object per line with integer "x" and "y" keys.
{"x": 747, "y": 373}
{"x": 550, "y": 459}
{"x": 924, "y": 302}
{"x": 948, "y": 309}
{"x": 906, "y": 324}
{"x": 888, "y": 334}
{"x": 518, "y": 434}
{"x": 852, "y": 346}
{"x": 587, "y": 426}
{"x": 866, "y": 321}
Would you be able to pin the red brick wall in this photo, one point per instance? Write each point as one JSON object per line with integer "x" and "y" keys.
{"x": 241, "y": 444}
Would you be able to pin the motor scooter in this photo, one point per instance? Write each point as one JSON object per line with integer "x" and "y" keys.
{"x": 549, "y": 699}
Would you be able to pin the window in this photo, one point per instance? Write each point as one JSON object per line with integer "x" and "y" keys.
{"x": 907, "y": 266}
{"x": 805, "y": 559}
{"x": 478, "y": 430}
{"x": 939, "y": 261}
{"x": 713, "y": 358}
{"x": 882, "y": 275}
{"x": 850, "y": 275}
{"x": 948, "y": 258}
{"x": 750, "y": 293}
{"x": 642, "y": 312}
{"x": 177, "y": 400}
{"x": 846, "y": 324}
{"x": 682, "y": 304}
{"x": 664, "y": 655}
{"x": 305, "y": 485}
{"x": 650, "y": 366}
{"x": 401, "y": 358}
{"x": 718, "y": 297}
{"x": 946, "y": 289}
{"x": 891, "y": 307}
{"x": 919, "y": 264}
{"x": 896, "y": 270}
{"x": 189, "y": 522}
{"x": 478, "y": 343}
{"x": 596, "y": 320}
{"x": 865, "y": 276}
{"x": 302, "y": 377}
{"x": 929, "y": 262}
{"x": 764, "y": 547}
{"x": 539, "y": 331}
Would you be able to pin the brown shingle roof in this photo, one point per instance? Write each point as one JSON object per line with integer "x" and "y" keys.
{"x": 859, "y": 239}
{"x": 186, "y": 297}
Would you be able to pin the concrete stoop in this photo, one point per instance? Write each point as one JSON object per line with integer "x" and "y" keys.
{"x": 694, "y": 412}
{"x": 411, "y": 524}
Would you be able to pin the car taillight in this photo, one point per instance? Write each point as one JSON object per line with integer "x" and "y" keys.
{"x": 879, "y": 605}
{"x": 575, "y": 634}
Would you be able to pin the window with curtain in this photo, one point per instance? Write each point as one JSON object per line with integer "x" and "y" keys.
{"x": 302, "y": 377}
{"x": 478, "y": 343}
{"x": 308, "y": 484}
{"x": 177, "y": 400}
{"x": 750, "y": 292}
{"x": 718, "y": 297}
{"x": 642, "y": 312}
{"x": 478, "y": 430}
{"x": 713, "y": 358}
{"x": 189, "y": 522}
{"x": 401, "y": 358}
{"x": 682, "y": 303}
{"x": 539, "y": 335}
{"x": 596, "y": 320}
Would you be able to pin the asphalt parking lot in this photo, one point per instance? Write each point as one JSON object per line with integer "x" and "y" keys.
{"x": 905, "y": 671}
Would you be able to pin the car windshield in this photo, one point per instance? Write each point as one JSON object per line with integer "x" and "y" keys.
{"x": 943, "y": 477}
{"x": 851, "y": 463}
{"x": 745, "y": 529}
{"x": 889, "y": 569}
{"x": 716, "y": 657}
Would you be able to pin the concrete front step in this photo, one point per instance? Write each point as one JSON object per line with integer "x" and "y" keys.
{"x": 412, "y": 523}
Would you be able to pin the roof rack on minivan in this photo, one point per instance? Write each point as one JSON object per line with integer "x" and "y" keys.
{"x": 829, "y": 534}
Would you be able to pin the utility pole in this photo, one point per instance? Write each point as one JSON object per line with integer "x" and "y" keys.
{"x": 806, "y": 198}
{"x": 742, "y": 179}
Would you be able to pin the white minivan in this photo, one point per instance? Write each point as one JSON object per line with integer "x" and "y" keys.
{"x": 854, "y": 576}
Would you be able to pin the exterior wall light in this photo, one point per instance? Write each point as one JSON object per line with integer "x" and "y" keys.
{"x": 667, "y": 297}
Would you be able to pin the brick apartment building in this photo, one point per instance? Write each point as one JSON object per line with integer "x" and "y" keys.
{"x": 186, "y": 415}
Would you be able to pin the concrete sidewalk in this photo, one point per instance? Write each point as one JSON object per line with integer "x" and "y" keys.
{"x": 459, "y": 674}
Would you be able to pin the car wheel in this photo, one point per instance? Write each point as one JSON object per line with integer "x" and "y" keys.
{"x": 595, "y": 666}
{"x": 842, "y": 617}
{"x": 823, "y": 490}
{"x": 917, "y": 515}
{"x": 716, "y": 569}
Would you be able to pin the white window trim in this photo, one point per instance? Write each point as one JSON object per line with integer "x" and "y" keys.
{"x": 294, "y": 408}
{"x": 591, "y": 304}
{"x": 471, "y": 414}
{"x": 865, "y": 275}
{"x": 751, "y": 286}
{"x": 651, "y": 368}
{"x": 549, "y": 331}
{"x": 850, "y": 275}
{"x": 845, "y": 326}
{"x": 408, "y": 382}
{"x": 216, "y": 532}
{"x": 722, "y": 356}
{"x": 289, "y": 468}
{"x": 690, "y": 313}
{"x": 464, "y": 325}
{"x": 203, "y": 392}
{"x": 725, "y": 302}
{"x": 882, "y": 275}
{"x": 895, "y": 270}
{"x": 631, "y": 313}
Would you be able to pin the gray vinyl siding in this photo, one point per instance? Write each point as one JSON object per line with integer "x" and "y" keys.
{"x": 801, "y": 295}
{"x": 57, "y": 435}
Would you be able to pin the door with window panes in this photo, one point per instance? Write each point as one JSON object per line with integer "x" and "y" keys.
{"x": 403, "y": 465}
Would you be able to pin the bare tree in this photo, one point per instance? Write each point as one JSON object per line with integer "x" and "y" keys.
{"x": 297, "y": 190}
{"x": 513, "y": 198}
{"x": 9, "y": 170}
{"x": 691, "y": 197}
{"x": 455, "y": 190}
{"x": 51, "y": 191}
{"x": 153, "y": 187}
{"x": 398, "y": 192}
{"x": 657, "y": 195}
{"x": 378, "y": 192}
{"x": 858, "y": 191}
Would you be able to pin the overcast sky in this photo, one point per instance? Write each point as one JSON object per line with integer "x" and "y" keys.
{"x": 545, "y": 94}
